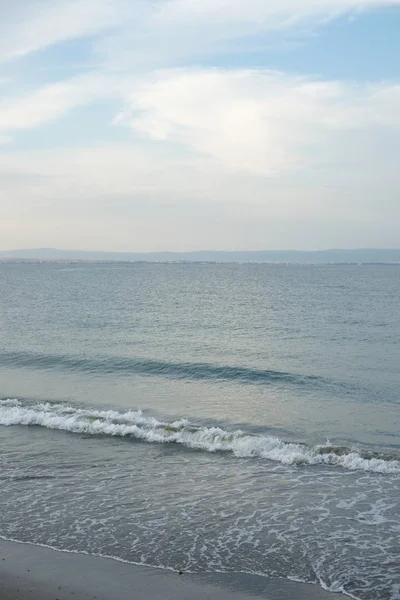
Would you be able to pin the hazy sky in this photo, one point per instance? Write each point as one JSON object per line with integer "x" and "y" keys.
{"x": 199, "y": 124}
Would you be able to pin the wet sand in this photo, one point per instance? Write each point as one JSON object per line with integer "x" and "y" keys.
{"x": 34, "y": 573}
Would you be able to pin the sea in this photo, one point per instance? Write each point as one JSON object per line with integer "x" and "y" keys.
{"x": 206, "y": 417}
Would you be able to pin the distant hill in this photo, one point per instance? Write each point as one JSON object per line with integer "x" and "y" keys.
{"x": 264, "y": 256}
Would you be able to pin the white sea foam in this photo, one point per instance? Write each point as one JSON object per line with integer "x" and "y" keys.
{"x": 211, "y": 439}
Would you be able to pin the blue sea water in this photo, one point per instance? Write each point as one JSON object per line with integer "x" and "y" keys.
{"x": 206, "y": 417}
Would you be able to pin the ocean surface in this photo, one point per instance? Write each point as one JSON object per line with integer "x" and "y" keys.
{"x": 206, "y": 417}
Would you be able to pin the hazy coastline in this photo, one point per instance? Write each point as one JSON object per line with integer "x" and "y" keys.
{"x": 334, "y": 256}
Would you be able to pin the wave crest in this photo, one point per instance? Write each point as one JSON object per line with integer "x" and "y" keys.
{"x": 242, "y": 444}
{"x": 123, "y": 365}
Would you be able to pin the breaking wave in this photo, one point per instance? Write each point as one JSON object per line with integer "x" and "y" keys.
{"x": 135, "y": 425}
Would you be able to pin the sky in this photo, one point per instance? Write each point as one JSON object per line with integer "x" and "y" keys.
{"x": 150, "y": 125}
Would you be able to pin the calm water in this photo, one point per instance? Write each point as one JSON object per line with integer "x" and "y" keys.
{"x": 206, "y": 417}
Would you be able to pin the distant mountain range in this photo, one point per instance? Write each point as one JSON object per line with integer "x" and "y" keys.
{"x": 254, "y": 256}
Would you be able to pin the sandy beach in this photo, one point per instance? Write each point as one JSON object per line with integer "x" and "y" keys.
{"x": 34, "y": 573}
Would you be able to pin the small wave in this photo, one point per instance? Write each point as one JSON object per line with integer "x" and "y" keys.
{"x": 141, "y": 366}
{"x": 136, "y": 425}
{"x": 24, "y": 477}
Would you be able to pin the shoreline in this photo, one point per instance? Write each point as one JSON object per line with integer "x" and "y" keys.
{"x": 29, "y": 572}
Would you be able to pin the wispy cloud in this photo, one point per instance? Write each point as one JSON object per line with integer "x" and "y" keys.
{"x": 30, "y": 25}
{"x": 149, "y": 29}
{"x": 172, "y": 32}
{"x": 54, "y": 100}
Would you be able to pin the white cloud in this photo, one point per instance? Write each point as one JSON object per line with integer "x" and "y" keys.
{"x": 196, "y": 131}
{"x": 261, "y": 122}
{"x": 264, "y": 12}
{"x": 55, "y": 100}
{"x": 174, "y": 31}
{"x": 158, "y": 30}
{"x": 30, "y": 25}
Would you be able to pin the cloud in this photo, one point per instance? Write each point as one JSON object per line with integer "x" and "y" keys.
{"x": 142, "y": 30}
{"x": 254, "y": 122}
{"x": 198, "y": 133}
{"x": 173, "y": 32}
{"x": 147, "y": 196}
{"x": 261, "y": 122}
{"x": 264, "y": 14}
{"x": 30, "y": 25}
{"x": 55, "y": 100}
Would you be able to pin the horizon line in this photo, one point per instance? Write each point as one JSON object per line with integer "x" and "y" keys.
{"x": 338, "y": 249}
